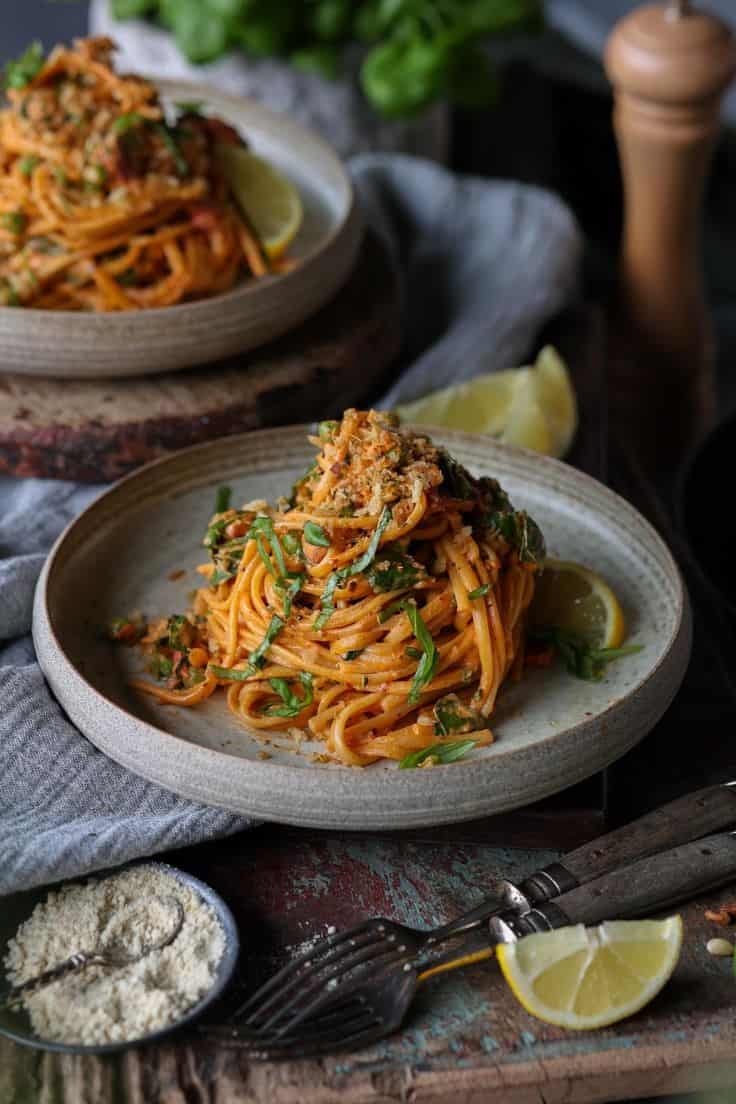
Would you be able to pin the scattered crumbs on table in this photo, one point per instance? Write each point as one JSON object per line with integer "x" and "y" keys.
{"x": 264, "y": 755}
{"x": 178, "y": 574}
{"x": 719, "y": 947}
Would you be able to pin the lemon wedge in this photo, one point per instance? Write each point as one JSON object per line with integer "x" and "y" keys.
{"x": 584, "y": 978}
{"x": 534, "y": 407}
{"x": 571, "y": 597}
{"x": 270, "y": 201}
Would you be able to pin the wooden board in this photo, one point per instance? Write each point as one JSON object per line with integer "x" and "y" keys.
{"x": 96, "y": 431}
{"x": 466, "y": 1039}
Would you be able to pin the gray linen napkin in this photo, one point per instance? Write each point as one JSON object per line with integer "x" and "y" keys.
{"x": 484, "y": 264}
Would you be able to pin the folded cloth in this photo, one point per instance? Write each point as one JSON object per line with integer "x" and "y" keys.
{"x": 484, "y": 265}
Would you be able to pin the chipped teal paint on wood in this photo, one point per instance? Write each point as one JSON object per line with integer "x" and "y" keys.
{"x": 466, "y": 1039}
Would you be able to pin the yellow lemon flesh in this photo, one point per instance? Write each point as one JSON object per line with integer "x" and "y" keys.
{"x": 573, "y": 598}
{"x": 583, "y": 978}
{"x": 534, "y": 407}
{"x": 269, "y": 200}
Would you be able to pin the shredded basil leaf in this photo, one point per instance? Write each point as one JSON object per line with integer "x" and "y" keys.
{"x": 315, "y": 534}
{"x": 337, "y": 578}
{"x": 222, "y": 499}
{"x": 428, "y": 663}
{"x": 160, "y": 666}
{"x": 353, "y": 653}
{"x": 292, "y": 545}
{"x": 127, "y": 122}
{"x": 479, "y": 592}
{"x": 22, "y": 71}
{"x": 292, "y": 705}
{"x": 14, "y": 221}
{"x": 393, "y": 571}
{"x": 413, "y": 653}
{"x": 579, "y": 658}
{"x": 263, "y": 526}
{"x": 451, "y": 715}
{"x": 256, "y": 658}
{"x": 27, "y": 164}
{"x": 189, "y": 107}
{"x": 181, "y": 164}
{"x": 443, "y": 753}
{"x": 295, "y": 584}
{"x": 327, "y": 429}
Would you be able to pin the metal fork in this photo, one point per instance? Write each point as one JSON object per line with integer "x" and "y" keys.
{"x": 377, "y": 1004}
{"x": 336, "y": 964}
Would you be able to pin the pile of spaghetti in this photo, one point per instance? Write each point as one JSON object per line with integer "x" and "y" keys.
{"x": 103, "y": 204}
{"x": 380, "y": 608}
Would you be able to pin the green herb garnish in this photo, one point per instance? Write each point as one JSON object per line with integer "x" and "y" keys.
{"x": 338, "y": 578}
{"x": 263, "y": 527}
{"x": 443, "y": 753}
{"x": 222, "y": 499}
{"x": 413, "y": 653}
{"x": 479, "y": 592}
{"x": 161, "y": 666}
{"x": 353, "y": 653}
{"x": 127, "y": 122}
{"x": 428, "y": 663}
{"x": 167, "y": 137}
{"x": 315, "y": 534}
{"x": 579, "y": 658}
{"x": 326, "y": 430}
{"x": 27, "y": 164}
{"x": 451, "y": 715}
{"x": 292, "y": 705}
{"x": 22, "y": 71}
{"x": 14, "y": 221}
{"x": 256, "y": 658}
{"x": 189, "y": 107}
{"x": 290, "y": 591}
{"x": 292, "y": 545}
{"x": 393, "y": 571}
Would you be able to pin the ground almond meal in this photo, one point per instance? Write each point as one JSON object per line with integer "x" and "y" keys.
{"x": 101, "y": 1005}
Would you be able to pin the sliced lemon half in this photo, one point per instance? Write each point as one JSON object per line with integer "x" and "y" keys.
{"x": 584, "y": 978}
{"x": 534, "y": 407}
{"x": 571, "y": 597}
{"x": 270, "y": 201}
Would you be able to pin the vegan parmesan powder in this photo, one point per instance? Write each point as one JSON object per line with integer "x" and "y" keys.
{"x": 98, "y": 1004}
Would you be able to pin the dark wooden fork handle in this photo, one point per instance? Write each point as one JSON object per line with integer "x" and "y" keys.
{"x": 680, "y": 821}
{"x": 654, "y": 883}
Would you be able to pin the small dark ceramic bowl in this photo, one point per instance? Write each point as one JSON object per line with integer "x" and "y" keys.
{"x": 16, "y": 1025}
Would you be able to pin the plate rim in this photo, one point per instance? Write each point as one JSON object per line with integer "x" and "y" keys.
{"x": 59, "y": 668}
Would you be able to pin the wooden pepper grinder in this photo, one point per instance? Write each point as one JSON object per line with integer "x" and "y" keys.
{"x": 669, "y": 66}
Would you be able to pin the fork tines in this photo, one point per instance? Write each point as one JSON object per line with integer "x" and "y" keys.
{"x": 318, "y": 978}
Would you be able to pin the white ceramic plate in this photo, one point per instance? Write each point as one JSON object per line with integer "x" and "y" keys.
{"x": 551, "y": 729}
{"x": 165, "y": 339}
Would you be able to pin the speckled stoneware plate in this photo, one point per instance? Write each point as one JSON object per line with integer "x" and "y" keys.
{"x": 551, "y": 729}
{"x": 15, "y": 1023}
{"x": 131, "y": 343}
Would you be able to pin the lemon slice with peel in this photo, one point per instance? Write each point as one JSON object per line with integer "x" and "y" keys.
{"x": 575, "y": 599}
{"x": 534, "y": 407}
{"x": 583, "y": 978}
{"x": 270, "y": 201}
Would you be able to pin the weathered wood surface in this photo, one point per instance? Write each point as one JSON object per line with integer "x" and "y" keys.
{"x": 99, "y": 430}
{"x": 466, "y": 1041}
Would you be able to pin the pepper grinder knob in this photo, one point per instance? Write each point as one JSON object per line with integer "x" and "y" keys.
{"x": 670, "y": 66}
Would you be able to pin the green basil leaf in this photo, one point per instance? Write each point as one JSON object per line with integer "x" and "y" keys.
{"x": 127, "y": 122}
{"x": 181, "y": 165}
{"x": 256, "y": 658}
{"x": 292, "y": 545}
{"x": 290, "y": 591}
{"x": 428, "y": 663}
{"x": 26, "y": 165}
{"x": 479, "y": 592}
{"x": 393, "y": 571}
{"x": 413, "y": 653}
{"x": 451, "y": 715}
{"x": 263, "y": 526}
{"x": 444, "y": 753}
{"x": 292, "y": 705}
{"x": 315, "y": 534}
{"x": 579, "y": 658}
{"x": 337, "y": 578}
{"x": 22, "y": 71}
{"x": 353, "y": 653}
{"x": 326, "y": 430}
{"x": 222, "y": 499}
